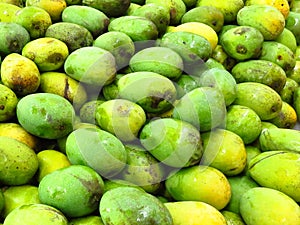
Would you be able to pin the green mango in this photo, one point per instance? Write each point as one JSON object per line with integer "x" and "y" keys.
{"x": 185, "y": 83}
{"x": 260, "y": 71}
{"x": 129, "y": 205}
{"x": 288, "y": 39}
{"x": 265, "y": 206}
{"x": 91, "y": 65}
{"x": 152, "y": 91}
{"x": 280, "y": 139}
{"x": 8, "y": 103}
{"x": 118, "y": 44}
{"x": 243, "y": 121}
{"x": 206, "y": 14}
{"x": 232, "y": 218}
{"x": 132, "y": 7}
{"x": 287, "y": 117}
{"x": 1, "y": 201}
{"x": 278, "y": 53}
{"x": 142, "y": 169}
{"x": 255, "y": 95}
{"x": 73, "y": 35}
{"x": 13, "y": 37}
{"x": 267, "y": 19}
{"x": 162, "y": 60}
{"x": 221, "y": 79}
{"x": 157, "y": 13}
{"x": 86, "y": 220}
{"x": 92, "y": 19}
{"x": 296, "y": 101}
{"x": 111, "y": 91}
{"x": 87, "y": 111}
{"x": 295, "y": 73}
{"x": 111, "y": 8}
{"x": 224, "y": 150}
{"x": 251, "y": 151}
{"x": 8, "y": 11}
{"x": 81, "y": 185}
{"x": 242, "y": 42}
{"x": 204, "y": 107}
{"x": 288, "y": 90}
{"x": 293, "y": 24}
{"x": 138, "y": 28}
{"x": 173, "y": 142}
{"x": 222, "y": 57}
{"x": 98, "y": 149}
{"x": 204, "y": 184}
{"x": 18, "y": 66}
{"x": 212, "y": 63}
{"x": 269, "y": 169}
{"x": 46, "y": 115}
{"x": 121, "y": 117}
{"x": 36, "y": 214}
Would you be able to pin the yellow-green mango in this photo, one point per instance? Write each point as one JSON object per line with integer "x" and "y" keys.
{"x": 138, "y": 28}
{"x": 232, "y": 218}
{"x": 87, "y": 111}
{"x": 185, "y": 83}
{"x": 288, "y": 39}
{"x": 296, "y": 101}
{"x": 267, "y": 19}
{"x": 278, "y": 170}
{"x": 111, "y": 8}
{"x": 260, "y": 71}
{"x": 7, "y": 11}
{"x": 224, "y": 150}
{"x": 265, "y": 206}
{"x": 287, "y": 117}
{"x": 255, "y": 95}
{"x": 251, "y": 151}
{"x": 61, "y": 84}
{"x": 288, "y": 90}
{"x": 280, "y": 139}
{"x": 92, "y": 19}
{"x": 194, "y": 212}
{"x": 222, "y": 57}
{"x": 292, "y": 23}
{"x": 86, "y": 220}
{"x": 278, "y": 53}
{"x": 8, "y": 103}
{"x": 20, "y": 74}
{"x": 199, "y": 183}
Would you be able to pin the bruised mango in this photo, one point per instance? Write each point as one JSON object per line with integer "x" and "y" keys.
{"x": 287, "y": 117}
{"x": 267, "y": 19}
{"x": 288, "y": 90}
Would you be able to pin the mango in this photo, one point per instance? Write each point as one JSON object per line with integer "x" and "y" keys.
{"x": 194, "y": 212}
{"x": 7, "y": 11}
{"x": 288, "y": 39}
{"x": 185, "y": 83}
{"x": 129, "y": 205}
{"x": 254, "y": 95}
{"x": 91, "y": 65}
{"x": 87, "y": 111}
{"x": 223, "y": 58}
{"x": 242, "y": 42}
{"x": 35, "y": 214}
{"x": 232, "y": 218}
{"x": 287, "y": 93}
{"x": 203, "y": 107}
{"x": 244, "y": 122}
{"x": 20, "y": 74}
{"x": 278, "y": 53}
{"x": 251, "y": 151}
{"x": 281, "y": 5}
{"x": 20, "y": 162}
{"x": 277, "y": 163}
{"x": 204, "y": 183}
{"x": 121, "y": 117}
{"x": 8, "y": 103}
{"x": 73, "y": 185}
{"x": 152, "y": 91}
{"x": 46, "y": 115}
{"x": 260, "y": 71}
{"x": 137, "y": 171}
{"x": 86, "y": 220}
{"x": 34, "y": 19}
{"x": 138, "y": 28}
{"x": 173, "y": 142}
{"x": 264, "y": 206}
{"x": 293, "y": 24}
{"x": 279, "y": 139}
{"x": 111, "y": 8}
{"x": 107, "y": 157}
{"x": 287, "y": 117}
{"x": 92, "y": 19}
{"x": 119, "y": 45}
{"x": 221, "y": 79}
{"x": 73, "y": 35}
{"x": 224, "y": 150}
{"x": 267, "y": 19}
{"x": 162, "y": 60}
{"x": 13, "y": 37}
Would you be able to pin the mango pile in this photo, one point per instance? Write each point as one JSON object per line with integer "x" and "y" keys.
{"x": 144, "y": 112}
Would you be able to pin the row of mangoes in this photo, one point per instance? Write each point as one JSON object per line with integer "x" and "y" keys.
{"x": 149, "y": 112}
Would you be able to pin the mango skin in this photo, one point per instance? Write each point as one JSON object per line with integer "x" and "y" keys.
{"x": 267, "y": 19}
{"x": 265, "y": 206}
{"x": 21, "y": 162}
{"x": 129, "y": 205}
{"x": 293, "y": 24}
{"x": 111, "y": 8}
{"x": 260, "y": 71}
{"x": 232, "y": 218}
{"x": 194, "y": 212}
{"x": 288, "y": 90}
{"x": 204, "y": 183}
{"x": 8, "y": 103}
{"x": 254, "y": 95}
{"x": 46, "y": 115}
{"x": 7, "y": 11}
{"x": 277, "y": 163}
